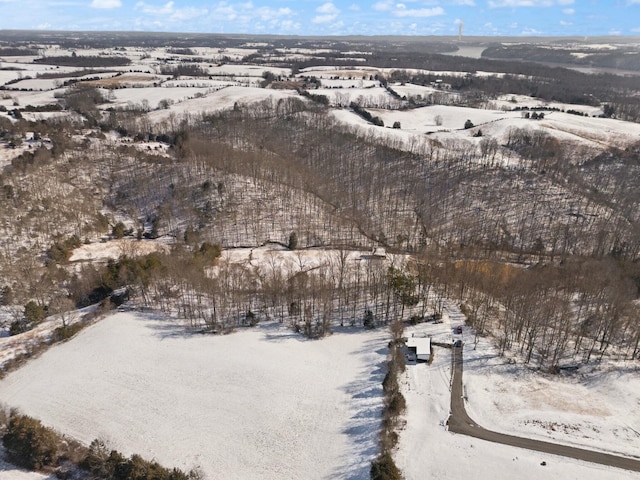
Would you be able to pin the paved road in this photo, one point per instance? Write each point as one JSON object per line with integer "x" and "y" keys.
{"x": 460, "y": 422}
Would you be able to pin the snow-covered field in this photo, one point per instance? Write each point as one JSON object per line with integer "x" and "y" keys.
{"x": 267, "y": 403}
{"x": 261, "y": 403}
{"x": 423, "y": 119}
{"x": 116, "y": 248}
{"x": 596, "y": 407}
{"x": 220, "y": 100}
{"x": 153, "y": 95}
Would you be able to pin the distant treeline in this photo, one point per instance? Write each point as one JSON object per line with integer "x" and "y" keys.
{"x": 548, "y": 83}
{"x": 74, "y": 74}
{"x": 84, "y": 61}
{"x": 184, "y": 69}
{"x": 17, "y": 52}
{"x": 623, "y": 59}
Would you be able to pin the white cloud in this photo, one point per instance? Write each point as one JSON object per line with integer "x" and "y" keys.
{"x": 490, "y": 28}
{"x": 565, "y": 23}
{"x": 529, "y": 3}
{"x": 166, "y": 9}
{"x": 383, "y": 5}
{"x": 419, "y": 12}
{"x": 170, "y": 12}
{"x": 328, "y": 13}
{"x": 401, "y": 10}
{"x": 354, "y": 8}
{"x": 268, "y": 13}
{"x": 324, "y": 18}
{"x": 328, "y": 8}
{"x": 569, "y": 11}
{"x": 106, "y": 4}
{"x": 187, "y": 13}
{"x": 289, "y": 25}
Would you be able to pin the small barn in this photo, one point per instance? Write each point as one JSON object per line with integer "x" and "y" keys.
{"x": 419, "y": 347}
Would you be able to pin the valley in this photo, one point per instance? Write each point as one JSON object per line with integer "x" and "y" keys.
{"x": 223, "y": 243}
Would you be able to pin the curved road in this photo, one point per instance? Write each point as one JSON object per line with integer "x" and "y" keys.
{"x": 460, "y": 422}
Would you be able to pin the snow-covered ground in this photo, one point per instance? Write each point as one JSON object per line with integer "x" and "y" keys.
{"x": 115, "y": 248}
{"x": 597, "y": 410}
{"x": 595, "y": 407}
{"x": 274, "y": 256}
{"x": 123, "y": 97}
{"x": 261, "y": 403}
{"x": 446, "y": 123}
{"x": 222, "y": 99}
{"x": 266, "y": 403}
{"x": 9, "y": 98}
{"x": 11, "y": 472}
{"x": 247, "y": 70}
{"x": 426, "y": 119}
{"x": 366, "y": 97}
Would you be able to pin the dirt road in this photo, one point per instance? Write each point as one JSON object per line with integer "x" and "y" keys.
{"x": 460, "y": 422}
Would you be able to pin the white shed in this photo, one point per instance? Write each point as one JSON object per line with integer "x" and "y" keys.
{"x": 420, "y": 346}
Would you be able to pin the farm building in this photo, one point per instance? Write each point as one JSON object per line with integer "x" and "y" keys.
{"x": 419, "y": 347}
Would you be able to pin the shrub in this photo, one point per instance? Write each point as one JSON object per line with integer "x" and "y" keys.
{"x": 6, "y": 295}
{"x": 118, "y": 230}
{"x": 61, "y": 250}
{"x": 468, "y": 124}
{"x": 97, "y": 460}
{"x": 34, "y": 313}
{"x": 397, "y": 404}
{"x": 390, "y": 382}
{"x": 384, "y": 468}
{"x": 209, "y": 252}
{"x": 368, "y": 320}
{"x": 66, "y": 332}
{"x": 29, "y": 444}
{"x": 293, "y": 241}
{"x": 102, "y": 464}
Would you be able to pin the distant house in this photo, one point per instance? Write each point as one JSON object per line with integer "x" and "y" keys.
{"x": 419, "y": 347}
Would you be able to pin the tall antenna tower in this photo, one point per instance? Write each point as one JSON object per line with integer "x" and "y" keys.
{"x": 460, "y": 26}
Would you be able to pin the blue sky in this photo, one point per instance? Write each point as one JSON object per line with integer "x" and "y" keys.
{"x": 318, "y": 17}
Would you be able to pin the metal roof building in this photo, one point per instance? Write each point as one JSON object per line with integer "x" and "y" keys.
{"x": 420, "y": 346}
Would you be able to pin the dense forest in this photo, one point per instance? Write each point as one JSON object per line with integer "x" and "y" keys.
{"x": 496, "y": 225}
{"x": 497, "y": 239}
